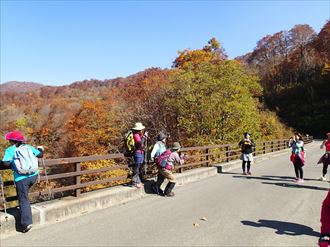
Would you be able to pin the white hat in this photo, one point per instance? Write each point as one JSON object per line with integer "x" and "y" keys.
{"x": 138, "y": 126}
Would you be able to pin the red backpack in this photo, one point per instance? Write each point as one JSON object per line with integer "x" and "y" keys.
{"x": 163, "y": 158}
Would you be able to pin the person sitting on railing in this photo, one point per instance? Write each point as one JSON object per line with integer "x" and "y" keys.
{"x": 324, "y": 240}
{"x": 140, "y": 136}
{"x": 297, "y": 156}
{"x": 22, "y": 159}
{"x": 158, "y": 149}
{"x": 325, "y": 159}
{"x": 165, "y": 168}
{"x": 247, "y": 144}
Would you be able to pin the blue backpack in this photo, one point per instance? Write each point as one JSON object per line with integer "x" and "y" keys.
{"x": 25, "y": 162}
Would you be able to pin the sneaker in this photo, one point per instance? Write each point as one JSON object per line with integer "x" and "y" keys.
{"x": 300, "y": 180}
{"x": 28, "y": 228}
{"x": 322, "y": 178}
{"x": 244, "y": 173}
{"x": 171, "y": 194}
{"x": 249, "y": 173}
{"x": 140, "y": 185}
{"x": 296, "y": 179}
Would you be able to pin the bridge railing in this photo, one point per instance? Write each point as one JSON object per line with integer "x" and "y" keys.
{"x": 68, "y": 175}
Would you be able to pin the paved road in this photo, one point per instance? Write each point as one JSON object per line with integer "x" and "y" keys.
{"x": 265, "y": 209}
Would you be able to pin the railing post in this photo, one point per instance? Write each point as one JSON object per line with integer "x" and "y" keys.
{"x": 180, "y": 169}
{"x": 272, "y": 146}
{"x": 207, "y": 157}
{"x": 78, "y": 179}
{"x": 227, "y": 153}
{"x": 278, "y": 145}
{"x": 264, "y": 147}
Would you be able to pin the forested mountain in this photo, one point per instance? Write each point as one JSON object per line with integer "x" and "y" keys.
{"x": 204, "y": 99}
{"x": 19, "y": 87}
{"x": 294, "y": 68}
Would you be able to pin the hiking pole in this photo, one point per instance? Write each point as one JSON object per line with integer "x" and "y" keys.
{"x": 50, "y": 193}
{"x": 3, "y": 196}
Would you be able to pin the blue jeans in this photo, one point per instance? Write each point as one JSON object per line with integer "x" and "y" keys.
{"x": 138, "y": 161}
{"x": 22, "y": 190}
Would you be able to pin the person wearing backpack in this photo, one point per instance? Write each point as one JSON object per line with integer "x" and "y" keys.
{"x": 246, "y": 157}
{"x": 158, "y": 149}
{"x": 140, "y": 137}
{"x": 165, "y": 164}
{"x": 23, "y": 161}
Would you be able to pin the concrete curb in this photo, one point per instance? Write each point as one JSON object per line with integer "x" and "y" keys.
{"x": 69, "y": 207}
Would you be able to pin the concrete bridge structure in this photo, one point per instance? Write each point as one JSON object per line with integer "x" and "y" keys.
{"x": 209, "y": 209}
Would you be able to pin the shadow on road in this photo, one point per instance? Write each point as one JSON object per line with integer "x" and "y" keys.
{"x": 283, "y": 228}
{"x": 299, "y": 186}
{"x": 273, "y": 178}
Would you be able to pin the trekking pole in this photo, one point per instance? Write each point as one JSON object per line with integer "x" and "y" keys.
{"x": 50, "y": 193}
{"x": 3, "y": 196}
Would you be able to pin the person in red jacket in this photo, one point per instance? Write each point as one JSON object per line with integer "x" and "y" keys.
{"x": 324, "y": 240}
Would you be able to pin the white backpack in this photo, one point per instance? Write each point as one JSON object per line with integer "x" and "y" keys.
{"x": 25, "y": 162}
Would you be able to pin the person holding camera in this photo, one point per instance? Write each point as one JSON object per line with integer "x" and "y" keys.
{"x": 246, "y": 144}
{"x": 140, "y": 138}
{"x": 297, "y": 156}
{"x": 25, "y": 176}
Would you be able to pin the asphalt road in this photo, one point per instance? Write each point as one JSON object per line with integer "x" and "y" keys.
{"x": 265, "y": 209}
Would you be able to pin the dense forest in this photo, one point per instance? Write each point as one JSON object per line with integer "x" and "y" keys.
{"x": 205, "y": 98}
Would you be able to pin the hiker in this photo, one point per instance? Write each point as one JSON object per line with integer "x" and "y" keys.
{"x": 140, "y": 137}
{"x": 158, "y": 149}
{"x": 297, "y": 156}
{"x": 165, "y": 167}
{"x": 23, "y": 180}
{"x": 246, "y": 155}
{"x": 324, "y": 240}
{"x": 325, "y": 159}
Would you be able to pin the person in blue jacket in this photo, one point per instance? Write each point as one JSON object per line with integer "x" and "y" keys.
{"x": 22, "y": 182}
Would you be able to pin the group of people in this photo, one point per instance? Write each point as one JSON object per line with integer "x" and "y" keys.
{"x": 165, "y": 159}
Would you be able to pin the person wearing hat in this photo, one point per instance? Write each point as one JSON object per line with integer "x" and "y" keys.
{"x": 325, "y": 159}
{"x": 140, "y": 137}
{"x": 158, "y": 149}
{"x": 246, "y": 156}
{"x": 297, "y": 156}
{"x": 166, "y": 172}
{"x": 22, "y": 182}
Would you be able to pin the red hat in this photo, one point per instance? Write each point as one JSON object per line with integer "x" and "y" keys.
{"x": 15, "y": 136}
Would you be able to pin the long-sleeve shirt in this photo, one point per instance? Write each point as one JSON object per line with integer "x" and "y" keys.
{"x": 175, "y": 159}
{"x": 139, "y": 143}
{"x": 247, "y": 145}
{"x": 158, "y": 149}
{"x": 296, "y": 146}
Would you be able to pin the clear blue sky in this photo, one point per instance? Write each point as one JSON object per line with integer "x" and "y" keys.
{"x": 59, "y": 42}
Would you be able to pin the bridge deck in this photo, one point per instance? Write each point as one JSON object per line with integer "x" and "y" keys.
{"x": 265, "y": 209}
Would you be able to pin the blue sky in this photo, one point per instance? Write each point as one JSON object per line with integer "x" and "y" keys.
{"x": 59, "y": 42}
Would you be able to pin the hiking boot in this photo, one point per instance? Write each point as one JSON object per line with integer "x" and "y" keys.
{"x": 249, "y": 173}
{"x": 28, "y": 228}
{"x": 171, "y": 194}
{"x": 244, "y": 173}
{"x": 140, "y": 185}
{"x": 323, "y": 178}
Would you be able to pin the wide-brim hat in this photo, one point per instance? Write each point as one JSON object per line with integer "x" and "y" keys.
{"x": 176, "y": 146}
{"x": 138, "y": 126}
{"x": 247, "y": 133}
{"x": 15, "y": 136}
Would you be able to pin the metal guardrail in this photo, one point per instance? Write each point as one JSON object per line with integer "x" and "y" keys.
{"x": 201, "y": 156}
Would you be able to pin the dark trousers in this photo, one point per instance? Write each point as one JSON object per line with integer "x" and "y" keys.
{"x": 136, "y": 176}
{"x": 22, "y": 190}
{"x": 298, "y": 168}
{"x": 248, "y": 165}
{"x": 325, "y": 169}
